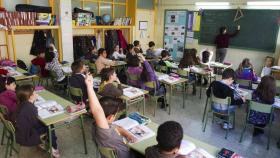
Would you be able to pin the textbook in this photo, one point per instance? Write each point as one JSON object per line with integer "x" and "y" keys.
{"x": 132, "y": 92}
{"x": 226, "y": 153}
{"x": 139, "y": 131}
{"x": 191, "y": 151}
{"x": 48, "y": 108}
{"x": 171, "y": 79}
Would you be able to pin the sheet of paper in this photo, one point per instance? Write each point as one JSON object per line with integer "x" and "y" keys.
{"x": 126, "y": 123}
{"x": 190, "y": 34}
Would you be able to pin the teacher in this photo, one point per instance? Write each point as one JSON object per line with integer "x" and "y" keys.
{"x": 222, "y": 42}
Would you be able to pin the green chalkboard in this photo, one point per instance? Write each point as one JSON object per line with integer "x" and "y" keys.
{"x": 259, "y": 28}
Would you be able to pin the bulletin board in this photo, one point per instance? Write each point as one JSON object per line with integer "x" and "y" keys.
{"x": 174, "y": 36}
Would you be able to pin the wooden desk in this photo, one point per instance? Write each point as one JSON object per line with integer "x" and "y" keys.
{"x": 47, "y": 95}
{"x": 180, "y": 81}
{"x": 141, "y": 146}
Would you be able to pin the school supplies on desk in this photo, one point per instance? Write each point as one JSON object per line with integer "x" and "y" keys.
{"x": 226, "y": 153}
{"x": 48, "y": 108}
{"x": 132, "y": 92}
{"x": 191, "y": 151}
{"x": 139, "y": 118}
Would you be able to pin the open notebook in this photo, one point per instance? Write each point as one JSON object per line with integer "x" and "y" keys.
{"x": 140, "y": 132}
{"x": 48, "y": 108}
{"x": 132, "y": 92}
{"x": 191, "y": 151}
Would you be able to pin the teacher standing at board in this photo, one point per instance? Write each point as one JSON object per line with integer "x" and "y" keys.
{"x": 222, "y": 42}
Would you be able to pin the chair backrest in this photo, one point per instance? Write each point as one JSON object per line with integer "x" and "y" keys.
{"x": 225, "y": 101}
{"x": 163, "y": 68}
{"x": 245, "y": 83}
{"x": 53, "y": 75}
{"x": 260, "y": 107}
{"x": 8, "y": 126}
{"x": 182, "y": 72}
{"x": 77, "y": 92}
{"x": 92, "y": 68}
{"x": 107, "y": 152}
{"x": 22, "y": 65}
{"x": 4, "y": 110}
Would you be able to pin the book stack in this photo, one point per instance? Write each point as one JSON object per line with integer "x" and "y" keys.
{"x": 125, "y": 21}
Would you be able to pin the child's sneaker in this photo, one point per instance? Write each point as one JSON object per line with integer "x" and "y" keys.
{"x": 55, "y": 153}
{"x": 227, "y": 126}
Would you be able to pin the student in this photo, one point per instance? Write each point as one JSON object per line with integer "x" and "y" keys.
{"x": 134, "y": 68}
{"x": 131, "y": 53}
{"x": 41, "y": 62}
{"x": 28, "y": 126}
{"x": 150, "y": 53}
{"x": 108, "y": 86}
{"x": 266, "y": 70}
{"x": 195, "y": 58}
{"x": 104, "y": 132}
{"x": 246, "y": 71}
{"x": 8, "y": 94}
{"x": 165, "y": 59}
{"x": 265, "y": 93}
{"x": 206, "y": 56}
{"x": 92, "y": 54}
{"x": 53, "y": 65}
{"x": 169, "y": 138}
{"x": 137, "y": 46}
{"x": 77, "y": 79}
{"x": 102, "y": 61}
{"x": 118, "y": 53}
{"x": 222, "y": 89}
{"x": 187, "y": 62}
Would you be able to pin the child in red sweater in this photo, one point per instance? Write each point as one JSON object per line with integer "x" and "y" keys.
{"x": 40, "y": 61}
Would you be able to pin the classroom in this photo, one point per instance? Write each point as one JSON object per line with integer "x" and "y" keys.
{"x": 139, "y": 79}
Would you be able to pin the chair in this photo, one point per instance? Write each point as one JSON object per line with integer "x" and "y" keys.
{"x": 92, "y": 68}
{"x": 229, "y": 116}
{"x": 10, "y": 134}
{"x": 152, "y": 85}
{"x": 133, "y": 78}
{"x": 244, "y": 83}
{"x": 54, "y": 81}
{"x": 41, "y": 78}
{"x": 4, "y": 111}
{"x": 185, "y": 74}
{"x": 107, "y": 152}
{"x": 163, "y": 69}
{"x": 75, "y": 92}
{"x": 259, "y": 107}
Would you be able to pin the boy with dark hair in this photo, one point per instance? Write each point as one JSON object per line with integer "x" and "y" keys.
{"x": 77, "y": 79}
{"x": 169, "y": 137}
{"x": 104, "y": 132}
{"x": 223, "y": 89}
{"x": 137, "y": 46}
{"x": 131, "y": 53}
{"x": 151, "y": 51}
{"x": 165, "y": 60}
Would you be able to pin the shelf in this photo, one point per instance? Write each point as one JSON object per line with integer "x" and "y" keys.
{"x": 102, "y": 27}
{"x": 34, "y": 27}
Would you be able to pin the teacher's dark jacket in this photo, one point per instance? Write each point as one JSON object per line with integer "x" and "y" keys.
{"x": 222, "y": 40}
{"x": 26, "y": 123}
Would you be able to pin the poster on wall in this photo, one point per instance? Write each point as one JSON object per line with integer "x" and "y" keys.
{"x": 175, "y": 32}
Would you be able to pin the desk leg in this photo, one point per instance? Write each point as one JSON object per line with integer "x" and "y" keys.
{"x": 184, "y": 91}
{"x": 170, "y": 96}
{"x": 83, "y": 133}
{"x": 144, "y": 104}
{"x": 50, "y": 140}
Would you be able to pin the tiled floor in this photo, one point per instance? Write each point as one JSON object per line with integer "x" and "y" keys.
{"x": 70, "y": 140}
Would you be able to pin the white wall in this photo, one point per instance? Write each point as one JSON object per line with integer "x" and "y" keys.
{"x": 235, "y": 56}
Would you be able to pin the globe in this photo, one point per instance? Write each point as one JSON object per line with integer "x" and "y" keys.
{"x": 106, "y": 18}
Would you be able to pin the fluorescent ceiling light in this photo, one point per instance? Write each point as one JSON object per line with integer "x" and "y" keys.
{"x": 212, "y": 3}
{"x": 263, "y": 3}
